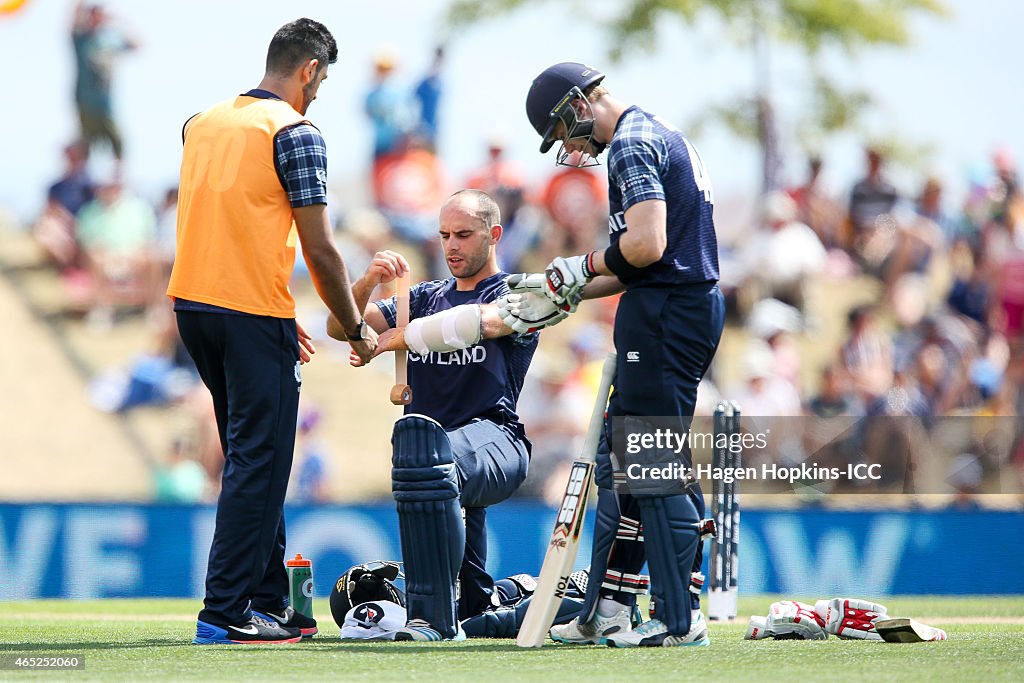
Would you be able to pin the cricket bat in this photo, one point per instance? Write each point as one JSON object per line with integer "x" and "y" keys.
{"x": 907, "y": 631}
{"x": 401, "y": 392}
{"x": 565, "y": 539}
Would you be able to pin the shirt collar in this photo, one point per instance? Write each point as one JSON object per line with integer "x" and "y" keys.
{"x": 261, "y": 94}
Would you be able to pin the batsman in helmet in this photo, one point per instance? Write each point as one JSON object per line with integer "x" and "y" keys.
{"x": 663, "y": 255}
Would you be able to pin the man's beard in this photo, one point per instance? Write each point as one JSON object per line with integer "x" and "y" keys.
{"x": 307, "y": 97}
{"x": 470, "y": 266}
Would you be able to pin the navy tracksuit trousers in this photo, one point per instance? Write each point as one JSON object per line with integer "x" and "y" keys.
{"x": 251, "y": 366}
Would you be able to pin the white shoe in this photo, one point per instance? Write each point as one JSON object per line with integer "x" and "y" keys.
{"x": 595, "y": 631}
{"x": 419, "y": 630}
{"x": 654, "y": 633}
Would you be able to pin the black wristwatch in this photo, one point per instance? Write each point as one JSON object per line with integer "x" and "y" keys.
{"x": 360, "y": 333}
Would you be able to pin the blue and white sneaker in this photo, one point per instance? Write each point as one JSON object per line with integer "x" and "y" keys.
{"x": 421, "y": 631}
{"x": 289, "y": 618}
{"x": 257, "y": 631}
{"x": 654, "y": 633}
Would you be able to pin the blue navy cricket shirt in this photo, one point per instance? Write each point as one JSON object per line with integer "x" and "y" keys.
{"x": 484, "y": 380}
{"x": 650, "y": 159}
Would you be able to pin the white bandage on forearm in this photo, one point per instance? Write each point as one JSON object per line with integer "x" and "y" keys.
{"x": 451, "y": 330}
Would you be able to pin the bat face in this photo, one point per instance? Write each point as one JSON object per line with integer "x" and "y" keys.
{"x": 560, "y": 557}
{"x": 570, "y": 515}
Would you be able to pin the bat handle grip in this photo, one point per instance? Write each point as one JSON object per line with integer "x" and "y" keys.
{"x": 401, "y": 394}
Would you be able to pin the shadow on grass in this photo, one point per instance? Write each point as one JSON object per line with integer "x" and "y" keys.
{"x": 400, "y": 649}
{"x": 84, "y": 646}
{"x": 385, "y": 648}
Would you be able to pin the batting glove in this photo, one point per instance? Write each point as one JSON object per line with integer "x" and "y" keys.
{"x": 795, "y": 620}
{"x": 565, "y": 278}
{"x": 526, "y": 282}
{"x": 536, "y": 283}
{"x": 529, "y": 312}
{"x": 851, "y": 618}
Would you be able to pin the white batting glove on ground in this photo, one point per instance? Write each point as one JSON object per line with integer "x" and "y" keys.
{"x": 850, "y": 617}
{"x": 565, "y": 278}
{"x": 789, "y": 619}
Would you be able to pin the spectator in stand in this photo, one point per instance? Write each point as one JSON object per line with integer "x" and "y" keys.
{"x": 971, "y": 294}
{"x": 930, "y": 206}
{"x": 385, "y": 105}
{"x": 97, "y": 45}
{"x": 816, "y": 209}
{"x": 784, "y": 256}
{"x": 498, "y": 175}
{"x": 870, "y": 213}
{"x": 409, "y": 184}
{"x": 164, "y": 244}
{"x": 764, "y": 393}
{"x": 833, "y": 398}
{"x": 920, "y": 244}
{"x": 310, "y": 484}
{"x": 576, "y": 199}
{"x": 428, "y": 96}
{"x": 935, "y": 380}
{"x": 116, "y": 231}
{"x": 866, "y": 356}
{"x": 181, "y": 479}
{"x": 56, "y": 229}
{"x": 505, "y": 182}
{"x": 1005, "y": 190}
{"x": 556, "y": 403}
{"x": 1002, "y": 238}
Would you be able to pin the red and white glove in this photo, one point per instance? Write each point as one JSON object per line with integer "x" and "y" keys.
{"x": 566, "y": 278}
{"x": 791, "y": 620}
{"x": 850, "y": 617}
{"x": 787, "y": 620}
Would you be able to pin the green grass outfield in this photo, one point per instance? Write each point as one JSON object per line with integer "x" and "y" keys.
{"x": 149, "y": 640}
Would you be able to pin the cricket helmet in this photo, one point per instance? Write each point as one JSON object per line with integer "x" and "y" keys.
{"x": 369, "y": 582}
{"x": 550, "y": 101}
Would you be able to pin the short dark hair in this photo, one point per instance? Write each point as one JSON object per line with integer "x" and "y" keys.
{"x": 299, "y": 41}
{"x": 486, "y": 208}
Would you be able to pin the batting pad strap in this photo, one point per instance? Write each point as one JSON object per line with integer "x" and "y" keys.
{"x": 630, "y": 530}
{"x": 451, "y": 330}
{"x": 638, "y": 584}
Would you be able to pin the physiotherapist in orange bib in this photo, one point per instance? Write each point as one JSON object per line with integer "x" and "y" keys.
{"x": 253, "y": 181}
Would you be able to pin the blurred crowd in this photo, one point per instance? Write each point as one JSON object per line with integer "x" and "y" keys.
{"x": 930, "y": 296}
